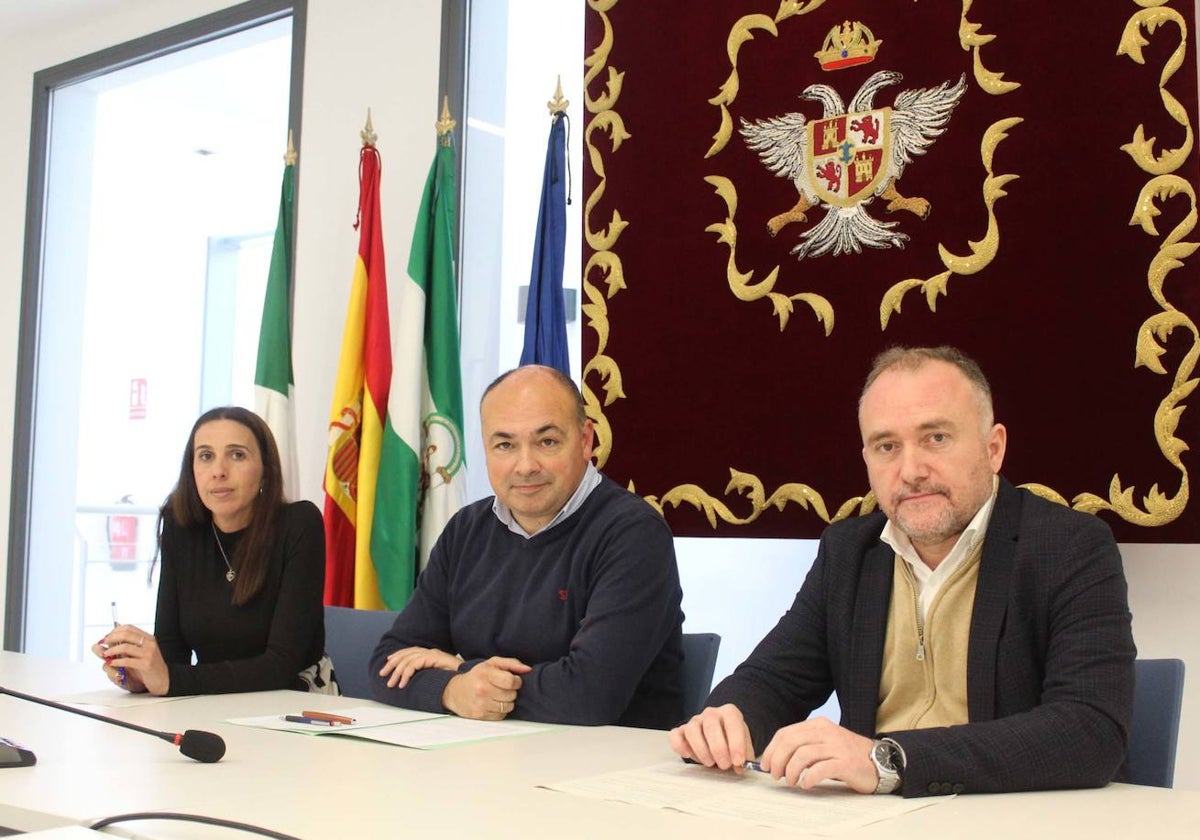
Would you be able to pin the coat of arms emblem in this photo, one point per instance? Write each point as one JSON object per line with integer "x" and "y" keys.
{"x": 853, "y": 153}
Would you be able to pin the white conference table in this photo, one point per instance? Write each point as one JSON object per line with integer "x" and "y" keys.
{"x": 345, "y": 788}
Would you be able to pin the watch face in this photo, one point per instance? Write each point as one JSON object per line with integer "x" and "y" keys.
{"x": 885, "y": 755}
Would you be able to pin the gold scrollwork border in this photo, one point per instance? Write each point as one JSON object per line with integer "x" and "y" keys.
{"x": 1158, "y": 507}
{"x": 604, "y": 263}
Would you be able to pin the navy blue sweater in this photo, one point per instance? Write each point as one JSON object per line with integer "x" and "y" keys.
{"x": 592, "y": 604}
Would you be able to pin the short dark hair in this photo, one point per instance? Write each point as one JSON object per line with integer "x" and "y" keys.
{"x": 567, "y": 383}
{"x": 187, "y": 509}
{"x": 911, "y": 358}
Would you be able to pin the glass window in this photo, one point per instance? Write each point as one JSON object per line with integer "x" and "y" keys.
{"x": 161, "y": 195}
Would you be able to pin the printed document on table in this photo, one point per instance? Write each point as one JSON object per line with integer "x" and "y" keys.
{"x": 365, "y": 717}
{"x": 756, "y": 798}
{"x": 448, "y": 731}
{"x": 114, "y": 698}
{"x": 402, "y": 727}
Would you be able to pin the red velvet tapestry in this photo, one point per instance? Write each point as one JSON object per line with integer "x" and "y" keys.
{"x": 776, "y": 191}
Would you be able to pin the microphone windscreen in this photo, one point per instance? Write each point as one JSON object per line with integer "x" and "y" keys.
{"x": 202, "y": 746}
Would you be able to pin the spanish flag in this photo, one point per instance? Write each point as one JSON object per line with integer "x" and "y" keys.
{"x": 359, "y": 409}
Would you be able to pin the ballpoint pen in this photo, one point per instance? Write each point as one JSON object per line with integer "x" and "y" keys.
{"x": 753, "y": 765}
{"x": 121, "y": 669}
{"x": 310, "y": 720}
{"x": 328, "y": 716}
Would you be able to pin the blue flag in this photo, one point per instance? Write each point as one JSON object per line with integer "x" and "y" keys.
{"x": 545, "y": 312}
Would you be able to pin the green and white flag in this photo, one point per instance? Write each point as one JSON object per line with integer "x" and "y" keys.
{"x": 274, "y": 388}
{"x": 422, "y": 476}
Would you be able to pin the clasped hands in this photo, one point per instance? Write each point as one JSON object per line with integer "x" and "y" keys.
{"x": 136, "y": 652}
{"x": 488, "y": 691}
{"x": 803, "y": 754}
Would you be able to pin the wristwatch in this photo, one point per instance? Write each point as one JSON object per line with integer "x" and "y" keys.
{"x": 889, "y": 760}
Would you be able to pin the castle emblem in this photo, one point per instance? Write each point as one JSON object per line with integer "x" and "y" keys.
{"x": 851, "y": 156}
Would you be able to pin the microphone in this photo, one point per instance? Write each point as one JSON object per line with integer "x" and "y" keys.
{"x": 196, "y": 744}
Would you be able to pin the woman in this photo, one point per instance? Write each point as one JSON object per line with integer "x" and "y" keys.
{"x": 243, "y": 575}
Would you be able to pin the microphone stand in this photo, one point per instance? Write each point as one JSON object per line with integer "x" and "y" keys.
{"x": 202, "y": 746}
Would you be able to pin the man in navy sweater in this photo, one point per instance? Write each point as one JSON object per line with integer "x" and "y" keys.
{"x": 556, "y": 600}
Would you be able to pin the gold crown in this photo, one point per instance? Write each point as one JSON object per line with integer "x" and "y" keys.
{"x": 848, "y": 45}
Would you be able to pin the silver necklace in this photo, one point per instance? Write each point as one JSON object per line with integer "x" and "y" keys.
{"x": 231, "y": 574}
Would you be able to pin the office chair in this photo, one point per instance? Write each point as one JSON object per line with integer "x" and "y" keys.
{"x": 350, "y": 638}
{"x": 699, "y": 662}
{"x": 1154, "y": 733}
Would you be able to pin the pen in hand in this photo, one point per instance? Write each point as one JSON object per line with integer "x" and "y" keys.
{"x": 120, "y": 670}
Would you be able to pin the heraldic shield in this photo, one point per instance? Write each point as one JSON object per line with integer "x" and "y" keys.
{"x": 847, "y": 156}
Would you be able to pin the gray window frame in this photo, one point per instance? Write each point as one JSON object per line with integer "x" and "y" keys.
{"x": 201, "y": 30}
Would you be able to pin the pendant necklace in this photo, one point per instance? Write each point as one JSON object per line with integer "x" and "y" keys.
{"x": 231, "y": 574}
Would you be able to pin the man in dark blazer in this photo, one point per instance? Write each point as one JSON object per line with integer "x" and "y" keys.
{"x": 1011, "y": 663}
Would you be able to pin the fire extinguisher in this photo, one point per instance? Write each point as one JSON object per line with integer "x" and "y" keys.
{"x": 122, "y": 538}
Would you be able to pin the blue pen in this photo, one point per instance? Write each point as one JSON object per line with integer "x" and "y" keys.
{"x": 120, "y": 670}
{"x": 313, "y": 721}
{"x": 753, "y": 765}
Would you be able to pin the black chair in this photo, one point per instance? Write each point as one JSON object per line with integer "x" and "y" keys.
{"x": 350, "y": 638}
{"x": 699, "y": 662}
{"x": 1154, "y": 734}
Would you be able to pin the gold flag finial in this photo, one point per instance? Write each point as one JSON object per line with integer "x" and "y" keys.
{"x": 289, "y": 157}
{"x": 368, "y": 134}
{"x": 558, "y": 105}
{"x": 445, "y": 125}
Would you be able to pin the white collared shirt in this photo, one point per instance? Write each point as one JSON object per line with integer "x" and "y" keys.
{"x": 589, "y": 482}
{"x": 928, "y": 580}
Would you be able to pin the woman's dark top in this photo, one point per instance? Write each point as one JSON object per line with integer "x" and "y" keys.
{"x": 260, "y": 645}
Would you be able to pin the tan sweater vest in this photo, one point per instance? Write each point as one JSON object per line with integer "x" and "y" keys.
{"x": 924, "y": 679}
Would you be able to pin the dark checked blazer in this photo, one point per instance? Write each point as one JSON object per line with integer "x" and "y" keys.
{"x": 1049, "y": 662}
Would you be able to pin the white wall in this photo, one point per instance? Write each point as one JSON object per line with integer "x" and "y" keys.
{"x": 384, "y": 54}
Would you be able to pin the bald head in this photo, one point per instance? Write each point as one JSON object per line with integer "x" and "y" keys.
{"x": 546, "y": 376}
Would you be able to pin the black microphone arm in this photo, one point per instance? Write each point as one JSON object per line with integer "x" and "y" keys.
{"x": 194, "y": 743}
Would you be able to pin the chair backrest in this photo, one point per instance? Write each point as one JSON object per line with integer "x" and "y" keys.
{"x": 699, "y": 662}
{"x": 350, "y": 638}
{"x": 1154, "y": 734}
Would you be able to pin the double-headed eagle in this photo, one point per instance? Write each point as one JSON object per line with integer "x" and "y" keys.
{"x": 850, "y": 156}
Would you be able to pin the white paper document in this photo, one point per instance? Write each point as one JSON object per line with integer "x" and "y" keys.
{"x": 828, "y": 809}
{"x": 402, "y": 727}
{"x": 114, "y": 698}
{"x": 448, "y": 731}
{"x": 364, "y": 717}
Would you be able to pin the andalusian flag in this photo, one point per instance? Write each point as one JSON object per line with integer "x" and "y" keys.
{"x": 422, "y": 481}
{"x": 360, "y": 399}
{"x": 274, "y": 385}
